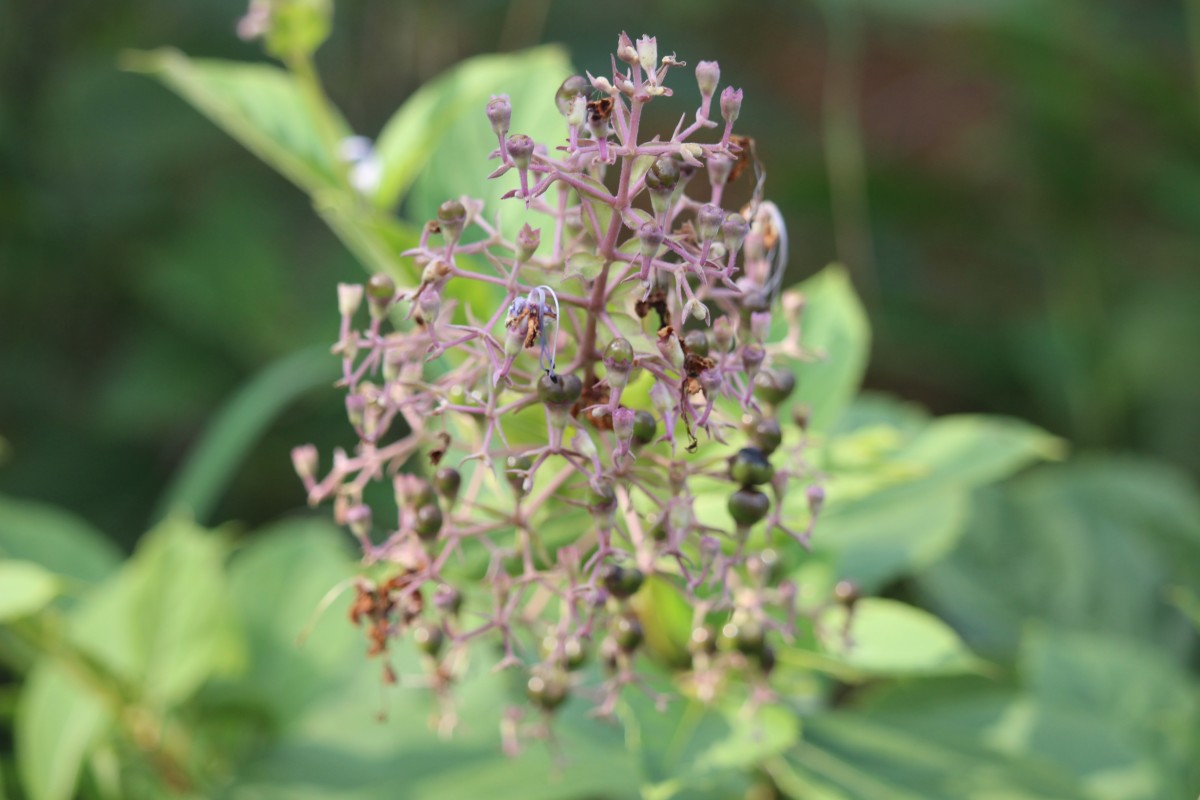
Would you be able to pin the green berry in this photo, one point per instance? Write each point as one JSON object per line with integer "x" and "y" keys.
{"x": 696, "y": 343}
{"x": 748, "y": 506}
{"x": 603, "y": 497}
{"x": 451, "y": 212}
{"x": 749, "y": 467}
{"x": 619, "y": 355}
{"x": 547, "y": 688}
{"x": 429, "y": 522}
{"x": 429, "y": 638}
{"x": 574, "y": 653}
{"x": 627, "y": 632}
{"x": 448, "y": 481}
{"x": 746, "y": 636}
{"x": 766, "y": 435}
{"x": 645, "y": 427}
{"x": 663, "y": 174}
{"x": 381, "y": 287}
{"x": 559, "y": 390}
{"x": 622, "y": 582}
{"x": 774, "y": 385}
{"x": 515, "y": 468}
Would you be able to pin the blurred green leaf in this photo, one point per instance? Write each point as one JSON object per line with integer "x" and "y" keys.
{"x": 163, "y": 624}
{"x": 58, "y": 721}
{"x": 444, "y": 124}
{"x": 666, "y": 618}
{"x": 901, "y": 504}
{"x": 835, "y": 329}
{"x": 259, "y": 105}
{"x": 890, "y": 638}
{"x": 55, "y": 539}
{"x": 25, "y": 588}
{"x": 1088, "y": 545}
{"x": 237, "y": 427}
{"x": 277, "y": 585}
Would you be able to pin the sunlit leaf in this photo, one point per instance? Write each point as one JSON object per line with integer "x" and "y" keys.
{"x": 25, "y": 588}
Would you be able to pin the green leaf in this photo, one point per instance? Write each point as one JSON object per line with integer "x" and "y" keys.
{"x": 58, "y": 721}
{"x": 585, "y": 265}
{"x": 666, "y": 618}
{"x": 237, "y": 427}
{"x": 444, "y": 124}
{"x": 259, "y": 105}
{"x": 25, "y": 588}
{"x": 890, "y": 638}
{"x": 836, "y": 331}
{"x": 277, "y": 586}
{"x": 163, "y": 624}
{"x": 55, "y": 539}
{"x": 1088, "y": 545}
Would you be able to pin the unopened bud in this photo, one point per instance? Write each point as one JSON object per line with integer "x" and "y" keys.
{"x": 752, "y": 358}
{"x": 760, "y": 325}
{"x": 528, "y": 240}
{"x": 816, "y": 498}
{"x": 731, "y": 104}
{"x": 723, "y": 334}
{"x": 520, "y": 149}
{"x": 720, "y": 167}
{"x": 305, "y": 461}
{"x": 624, "y": 421}
{"x": 651, "y": 237}
{"x": 733, "y": 232}
{"x": 577, "y": 112}
{"x": 350, "y": 297}
{"x": 359, "y": 519}
{"x": 708, "y": 221}
{"x": 499, "y": 113}
{"x": 380, "y": 292}
{"x": 356, "y": 406}
{"x": 708, "y": 75}
{"x": 625, "y": 49}
{"x": 430, "y": 303}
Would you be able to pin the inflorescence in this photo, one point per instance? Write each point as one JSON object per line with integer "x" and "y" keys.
{"x": 550, "y": 456}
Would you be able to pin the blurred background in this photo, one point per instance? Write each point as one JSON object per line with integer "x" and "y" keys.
{"x": 1015, "y": 185}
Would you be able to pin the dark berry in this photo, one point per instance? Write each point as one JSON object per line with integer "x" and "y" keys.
{"x": 622, "y": 582}
{"x": 429, "y": 522}
{"x": 627, "y": 632}
{"x": 750, "y": 467}
{"x": 748, "y": 506}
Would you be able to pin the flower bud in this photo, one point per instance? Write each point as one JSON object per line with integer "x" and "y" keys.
{"x": 573, "y": 87}
{"x": 723, "y": 334}
{"x": 350, "y": 297}
{"x": 430, "y": 303}
{"x": 577, "y": 112}
{"x": 651, "y": 237}
{"x": 305, "y": 461}
{"x": 520, "y": 149}
{"x": 451, "y": 218}
{"x": 356, "y": 406}
{"x": 647, "y": 52}
{"x": 733, "y": 232}
{"x": 752, "y": 358}
{"x": 625, "y": 49}
{"x": 760, "y": 325}
{"x": 499, "y": 113}
{"x": 670, "y": 347}
{"x": 816, "y": 498}
{"x": 695, "y": 309}
{"x": 731, "y": 104}
{"x": 358, "y": 517}
{"x": 624, "y": 423}
{"x": 528, "y": 240}
{"x": 846, "y": 592}
{"x": 720, "y": 167}
{"x": 661, "y": 179}
{"x": 708, "y": 221}
{"x": 708, "y": 75}
{"x": 710, "y": 381}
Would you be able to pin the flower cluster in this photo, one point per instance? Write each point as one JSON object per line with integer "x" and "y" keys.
{"x": 554, "y": 409}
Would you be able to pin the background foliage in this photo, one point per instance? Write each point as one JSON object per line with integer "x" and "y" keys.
{"x": 1014, "y": 188}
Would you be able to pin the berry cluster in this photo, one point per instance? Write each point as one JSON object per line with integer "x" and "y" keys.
{"x": 555, "y": 408}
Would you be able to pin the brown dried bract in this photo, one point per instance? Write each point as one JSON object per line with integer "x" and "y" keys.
{"x": 437, "y": 453}
{"x": 745, "y": 156}
{"x": 657, "y": 301}
{"x": 597, "y": 394}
